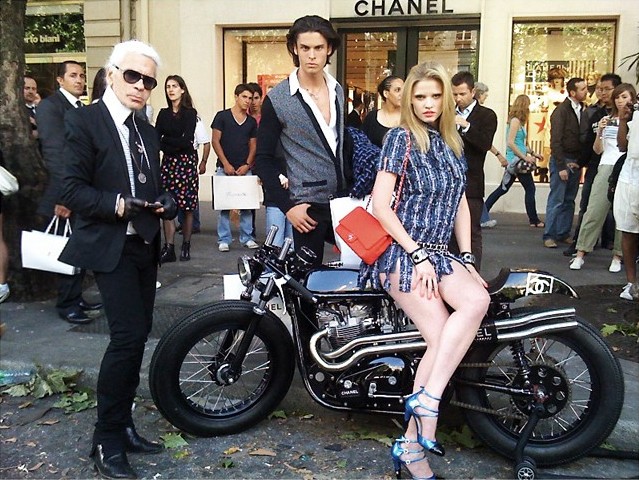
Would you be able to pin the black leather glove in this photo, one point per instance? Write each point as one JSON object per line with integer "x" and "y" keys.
{"x": 132, "y": 207}
{"x": 169, "y": 205}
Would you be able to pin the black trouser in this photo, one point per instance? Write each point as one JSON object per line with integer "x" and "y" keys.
{"x": 323, "y": 232}
{"x": 476, "y": 205}
{"x": 128, "y": 294}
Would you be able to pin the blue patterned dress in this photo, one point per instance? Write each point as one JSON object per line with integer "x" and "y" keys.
{"x": 433, "y": 187}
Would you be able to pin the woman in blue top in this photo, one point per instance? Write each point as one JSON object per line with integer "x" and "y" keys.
{"x": 417, "y": 269}
{"x": 516, "y": 150}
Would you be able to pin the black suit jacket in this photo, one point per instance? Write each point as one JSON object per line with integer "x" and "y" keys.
{"x": 96, "y": 173}
{"x": 50, "y": 119}
{"x": 477, "y": 141}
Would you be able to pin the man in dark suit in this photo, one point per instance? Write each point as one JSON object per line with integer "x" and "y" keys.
{"x": 30, "y": 94}
{"x": 476, "y": 125}
{"x": 50, "y": 119}
{"x": 112, "y": 182}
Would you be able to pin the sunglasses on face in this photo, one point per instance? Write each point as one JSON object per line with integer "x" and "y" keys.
{"x": 132, "y": 77}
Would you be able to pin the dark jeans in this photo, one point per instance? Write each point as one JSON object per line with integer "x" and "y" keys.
{"x": 128, "y": 293}
{"x": 560, "y": 207}
{"x": 527, "y": 182}
{"x": 323, "y": 232}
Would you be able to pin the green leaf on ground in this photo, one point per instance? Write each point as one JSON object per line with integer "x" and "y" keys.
{"x": 341, "y": 464}
{"x": 226, "y": 463}
{"x": 76, "y": 402}
{"x": 278, "y": 414}
{"x": 609, "y": 329}
{"x": 173, "y": 440}
{"x": 181, "y": 454}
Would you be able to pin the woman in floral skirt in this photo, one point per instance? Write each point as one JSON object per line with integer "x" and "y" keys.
{"x": 176, "y": 128}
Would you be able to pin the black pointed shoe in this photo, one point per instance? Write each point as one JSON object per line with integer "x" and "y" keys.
{"x": 114, "y": 466}
{"x": 137, "y": 444}
{"x": 88, "y": 307}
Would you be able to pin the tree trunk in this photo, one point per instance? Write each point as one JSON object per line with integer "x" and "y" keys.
{"x": 21, "y": 156}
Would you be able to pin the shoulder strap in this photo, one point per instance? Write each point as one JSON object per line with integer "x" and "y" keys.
{"x": 398, "y": 194}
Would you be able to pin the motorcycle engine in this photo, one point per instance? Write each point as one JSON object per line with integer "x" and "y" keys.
{"x": 347, "y": 320}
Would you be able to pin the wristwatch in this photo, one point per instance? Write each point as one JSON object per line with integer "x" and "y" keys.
{"x": 420, "y": 255}
{"x": 468, "y": 258}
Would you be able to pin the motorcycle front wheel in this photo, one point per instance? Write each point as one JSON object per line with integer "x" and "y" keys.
{"x": 585, "y": 388}
{"x": 190, "y": 379}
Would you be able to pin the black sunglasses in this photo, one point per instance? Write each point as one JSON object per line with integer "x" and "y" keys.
{"x": 131, "y": 76}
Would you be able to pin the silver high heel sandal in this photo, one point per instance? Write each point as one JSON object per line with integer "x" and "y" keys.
{"x": 412, "y": 403}
{"x": 396, "y": 453}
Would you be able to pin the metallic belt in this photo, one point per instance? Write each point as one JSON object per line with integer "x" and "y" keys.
{"x": 435, "y": 247}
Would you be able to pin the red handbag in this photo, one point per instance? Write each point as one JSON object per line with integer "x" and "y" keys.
{"x": 362, "y": 232}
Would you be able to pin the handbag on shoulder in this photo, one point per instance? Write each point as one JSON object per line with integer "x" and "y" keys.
{"x": 362, "y": 232}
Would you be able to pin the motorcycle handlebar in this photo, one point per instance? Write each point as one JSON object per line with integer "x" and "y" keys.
{"x": 299, "y": 288}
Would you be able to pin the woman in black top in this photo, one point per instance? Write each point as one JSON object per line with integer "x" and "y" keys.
{"x": 176, "y": 128}
{"x": 378, "y": 122}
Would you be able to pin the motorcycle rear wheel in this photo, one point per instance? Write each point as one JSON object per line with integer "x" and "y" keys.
{"x": 188, "y": 372}
{"x": 588, "y": 397}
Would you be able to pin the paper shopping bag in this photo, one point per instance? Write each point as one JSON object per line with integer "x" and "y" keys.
{"x": 236, "y": 193}
{"x": 40, "y": 250}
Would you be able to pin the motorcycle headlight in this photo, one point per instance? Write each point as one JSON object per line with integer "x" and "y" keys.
{"x": 244, "y": 270}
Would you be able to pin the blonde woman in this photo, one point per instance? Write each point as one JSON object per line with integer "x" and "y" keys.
{"x": 516, "y": 150}
{"x": 417, "y": 269}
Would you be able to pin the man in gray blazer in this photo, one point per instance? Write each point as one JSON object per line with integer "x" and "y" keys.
{"x": 50, "y": 119}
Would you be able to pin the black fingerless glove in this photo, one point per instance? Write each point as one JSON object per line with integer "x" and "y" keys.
{"x": 132, "y": 207}
{"x": 169, "y": 205}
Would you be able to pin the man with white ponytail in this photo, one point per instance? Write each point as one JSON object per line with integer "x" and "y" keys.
{"x": 113, "y": 183}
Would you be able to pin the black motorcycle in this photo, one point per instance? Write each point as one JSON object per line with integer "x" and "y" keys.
{"x": 537, "y": 383}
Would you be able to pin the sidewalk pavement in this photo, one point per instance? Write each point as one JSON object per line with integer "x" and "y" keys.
{"x": 36, "y": 336}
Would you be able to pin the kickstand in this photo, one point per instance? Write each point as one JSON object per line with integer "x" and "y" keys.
{"x": 525, "y": 467}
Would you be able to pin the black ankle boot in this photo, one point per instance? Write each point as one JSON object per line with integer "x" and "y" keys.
{"x": 168, "y": 253}
{"x": 186, "y": 251}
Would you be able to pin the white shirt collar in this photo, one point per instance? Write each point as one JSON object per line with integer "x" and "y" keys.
{"x": 467, "y": 111}
{"x": 70, "y": 97}
{"x": 294, "y": 82}
{"x": 118, "y": 112}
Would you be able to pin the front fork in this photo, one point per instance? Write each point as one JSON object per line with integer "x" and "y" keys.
{"x": 259, "y": 310}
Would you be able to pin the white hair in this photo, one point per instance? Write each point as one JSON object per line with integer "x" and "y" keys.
{"x": 131, "y": 46}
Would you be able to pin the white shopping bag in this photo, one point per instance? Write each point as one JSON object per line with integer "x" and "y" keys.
{"x": 236, "y": 192}
{"x": 340, "y": 207}
{"x": 40, "y": 250}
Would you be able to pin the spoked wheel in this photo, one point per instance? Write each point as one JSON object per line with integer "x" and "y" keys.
{"x": 191, "y": 379}
{"x": 573, "y": 372}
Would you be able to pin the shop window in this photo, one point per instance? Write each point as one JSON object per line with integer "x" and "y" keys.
{"x": 53, "y": 33}
{"x": 254, "y": 56}
{"x": 456, "y": 50}
{"x": 545, "y": 55}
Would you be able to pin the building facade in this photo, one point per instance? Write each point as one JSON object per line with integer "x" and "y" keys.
{"x": 512, "y": 46}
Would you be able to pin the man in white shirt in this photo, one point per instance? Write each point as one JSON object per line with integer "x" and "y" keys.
{"x": 50, "y": 119}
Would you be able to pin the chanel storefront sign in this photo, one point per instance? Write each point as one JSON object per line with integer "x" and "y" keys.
{"x": 382, "y": 8}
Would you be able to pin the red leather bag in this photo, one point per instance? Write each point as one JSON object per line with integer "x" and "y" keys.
{"x": 363, "y": 232}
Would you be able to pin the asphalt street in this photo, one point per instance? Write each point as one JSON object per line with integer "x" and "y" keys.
{"x": 311, "y": 441}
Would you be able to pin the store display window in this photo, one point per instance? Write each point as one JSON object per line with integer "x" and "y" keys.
{"x": 545, "y": 55}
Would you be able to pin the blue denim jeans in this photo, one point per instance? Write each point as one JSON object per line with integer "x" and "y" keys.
{"x": 528, "y": 183}
{"x": 560, "y": 208}
{"x": 275, "y": 216}
{"x": 224, "y": 224}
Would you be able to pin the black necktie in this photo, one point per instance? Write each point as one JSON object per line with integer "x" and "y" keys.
{"x": 78, "y": 103}
{"x": 146, "y": 223}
